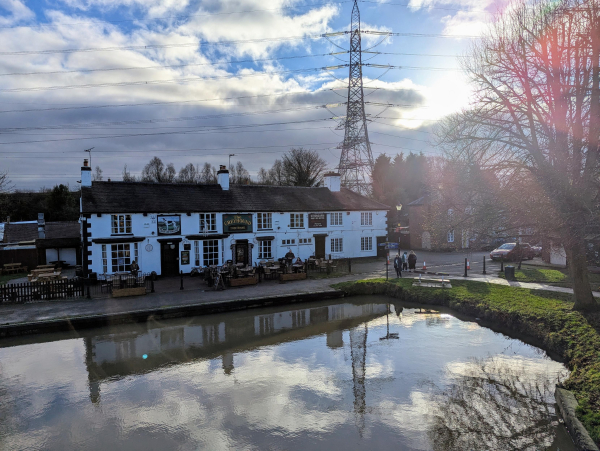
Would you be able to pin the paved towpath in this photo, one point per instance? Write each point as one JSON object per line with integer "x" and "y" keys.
{"x": 168, "y": 295}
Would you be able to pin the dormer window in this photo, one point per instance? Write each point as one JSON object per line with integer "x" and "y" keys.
{"x": 121, "y": 224}
{"x": 208, "y": 222}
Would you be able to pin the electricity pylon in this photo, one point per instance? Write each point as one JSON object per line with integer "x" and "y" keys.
{"x": 356, "y": 160}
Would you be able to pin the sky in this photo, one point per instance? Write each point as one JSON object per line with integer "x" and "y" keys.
{"x": 195, "y": 81}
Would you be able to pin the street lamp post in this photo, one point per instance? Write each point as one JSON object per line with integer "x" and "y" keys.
{"x": 230, "y": 155}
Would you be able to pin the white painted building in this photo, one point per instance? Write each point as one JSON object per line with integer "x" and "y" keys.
{"x": 170, "y": 228}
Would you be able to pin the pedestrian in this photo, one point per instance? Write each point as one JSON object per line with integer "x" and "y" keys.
{"x": 405, "y": 261}
{"x": 412, "y": 261}
{"x": 398, "y": 265}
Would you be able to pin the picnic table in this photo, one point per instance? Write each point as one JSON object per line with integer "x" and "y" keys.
{"x": 13, "y": 268}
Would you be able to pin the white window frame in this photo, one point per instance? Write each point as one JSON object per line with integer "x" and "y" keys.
{"x": 366, "y": 218}
{"x": 336, "y": 219}
{"x": 126, "y": 251}
{"x": 210, "y": 252}
{"x": 120, "y": 224}
{"x": 296, "y": 220}
{"x": 337, "y": 245}
{"x": 288, "y": 242}
{"x": 451, "y": 236}
{"x": 104, "y": 260}
{"x": 209, "y": 220}
{"x": 264, "y": 221}
{"x": 265, "y": 249}
{"x": 366, "y": 243}
{"x": 304, "y": 240}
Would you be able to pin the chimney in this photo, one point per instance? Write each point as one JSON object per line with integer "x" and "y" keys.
{"x": 333, "y": 181}
{"x": 223, "y": 177}
{"x": 41, "y": 226}
{"x": 86, "y": 174}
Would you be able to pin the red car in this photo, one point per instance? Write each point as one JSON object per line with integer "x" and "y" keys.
{"x": 513, "y": 252}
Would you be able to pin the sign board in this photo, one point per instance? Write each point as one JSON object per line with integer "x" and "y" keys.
{"x": 169, "y": 225}
{"x": 389, "y": 245}
{"x": 185, "y": 257}
{"x": 317, "y": 220}
{"x": 237, "y": 223}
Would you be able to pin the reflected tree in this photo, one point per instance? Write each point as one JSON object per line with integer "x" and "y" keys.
{"x": 494, "y": 405}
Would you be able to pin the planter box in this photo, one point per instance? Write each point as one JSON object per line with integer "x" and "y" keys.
{"x": 294, "y": 276}
{"x": 123, "y": 292}
{"x": 243, "y": 281}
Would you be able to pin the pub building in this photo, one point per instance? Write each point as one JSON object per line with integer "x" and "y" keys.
{"x": 168, "y": 228}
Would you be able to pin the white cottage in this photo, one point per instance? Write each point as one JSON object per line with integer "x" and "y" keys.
{"x": 170, "y": 228}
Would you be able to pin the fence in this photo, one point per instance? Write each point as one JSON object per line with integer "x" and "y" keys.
{"x": 20, "y": 293}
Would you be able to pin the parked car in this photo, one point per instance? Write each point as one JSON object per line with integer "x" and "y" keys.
{"x": 537, "y": 251}
{"x": 512, "y": 252}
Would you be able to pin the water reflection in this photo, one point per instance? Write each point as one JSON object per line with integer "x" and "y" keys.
{"x": 491, "y": 404}
{"x": 314, "y": 376}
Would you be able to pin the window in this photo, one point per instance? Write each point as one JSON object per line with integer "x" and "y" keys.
{"x": 121, "y": 224}
{"x": 288, "y": 242}
{"x": 366, "y": 243}
{"x": 366, "y": 218}
{"x": 337, "y": 244}
{"x": 264, "y": 249}
{"x": 304, "y": 240}
{"x": 104, "y": 260}
{"x": 451, "y": 236}
{"x": 196, "y": 253}
{"x": 211, "y": 252}
{"x": 208, "y": 222}
{"x": 336, "y": 219}
{"x": 297, "y": 220}
{"x": 121, "y": 257}
{"x": 264, "y": 221}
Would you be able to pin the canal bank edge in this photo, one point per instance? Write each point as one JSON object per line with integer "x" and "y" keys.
{"x": 567, "y": 404}
{"x": 546, "y": 317}
{"x": 136, "y": 316}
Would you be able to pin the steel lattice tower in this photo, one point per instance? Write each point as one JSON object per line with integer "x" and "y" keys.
{"x": 356, "y": 160}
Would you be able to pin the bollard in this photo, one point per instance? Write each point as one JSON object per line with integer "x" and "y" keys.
{"x": 89, "y": 295}
{"x": 484, "y": 265}
{"x": 152, "y": 285}
{"x": 466, "y": 275}
{"x": 181, "y": 287}
{"x": 328, "y": 268}
{"x": 349, "y": 266}
{"x": 502, "y": 264}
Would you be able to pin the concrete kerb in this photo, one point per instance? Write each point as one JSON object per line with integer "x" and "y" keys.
{"x": 567, "y": 404}
{"x": 133, "y": 316}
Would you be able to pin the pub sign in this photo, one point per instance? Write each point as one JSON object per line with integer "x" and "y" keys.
{"x": 317, "y": 220}
{"x": 169, "y": 225}
{"x": 237, "y": 223}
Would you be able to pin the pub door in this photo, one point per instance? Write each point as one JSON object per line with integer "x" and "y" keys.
{"x": 169, "y": 259}
{"x": 241, "y": 252}
{"x": 319, "y": 247}
{"x": 381, "y": 250}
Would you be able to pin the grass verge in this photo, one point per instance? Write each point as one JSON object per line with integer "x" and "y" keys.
{"x": 6, "y": 277}
{"x": 546, "y": 316}
{"x": 556, "y": 277}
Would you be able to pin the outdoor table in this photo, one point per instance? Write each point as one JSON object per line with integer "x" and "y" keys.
{"x": 297, "y": 267}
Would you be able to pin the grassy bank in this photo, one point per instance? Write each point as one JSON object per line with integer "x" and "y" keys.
{"x": 556, "y": 277}
{"x": 546, "y": 316}
{"x": 6, "y": 277}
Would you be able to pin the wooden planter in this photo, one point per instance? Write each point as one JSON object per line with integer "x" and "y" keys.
{"x": 243, "y": 281}
{"x": 123, "y": 292}
{"x": 293, "y": 276}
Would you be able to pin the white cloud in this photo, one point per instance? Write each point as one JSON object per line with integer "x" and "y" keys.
{"x": 18, "y": 12}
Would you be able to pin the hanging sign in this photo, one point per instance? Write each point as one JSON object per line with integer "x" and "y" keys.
{"x": 169, "y": 225}
{"x": 317, "y": 220}
{"x": 237, "y": 223}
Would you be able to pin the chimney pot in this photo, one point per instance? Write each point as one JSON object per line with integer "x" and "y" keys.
{"x": 86, "y": 174}
{"x": 85, "y": 162}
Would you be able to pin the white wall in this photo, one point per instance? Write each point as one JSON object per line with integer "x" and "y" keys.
{"x": 558, "y": 256}
{"x": 149, "y": 260}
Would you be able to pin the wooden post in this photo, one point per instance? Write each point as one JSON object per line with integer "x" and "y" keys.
{"x": 484, "y": 265}
{"x": 466, "y": 275}
{"x": 181, "y": 275}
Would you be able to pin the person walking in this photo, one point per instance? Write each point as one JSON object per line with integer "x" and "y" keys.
{"x": 398, "y": 265}
{"x": 405, "y": 261}
{"x": 412, "y": 261}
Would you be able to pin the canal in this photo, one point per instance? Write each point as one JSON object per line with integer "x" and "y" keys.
{"x": 351, "y": 374}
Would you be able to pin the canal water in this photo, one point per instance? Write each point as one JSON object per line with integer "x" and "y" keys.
{"x": 351, "y": 374}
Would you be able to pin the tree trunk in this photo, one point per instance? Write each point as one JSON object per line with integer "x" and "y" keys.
{"x": 582, "y": 292}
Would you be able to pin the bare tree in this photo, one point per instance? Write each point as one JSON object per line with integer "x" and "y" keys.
{"x": 303, "y": 167}
{"x": 6, "y": 185}
{"x": 207, "y": 174}
{"x": 238, "y": 175}
{"x": 276, "y": 174}
{"x": 97, "y": 176}
{"x": 188, "y": 174}
{"x": 127, "y": 177}
{"x": 156, "y": 172}
{"x": 536, "y": 115}
{"x": 263, "y": 177}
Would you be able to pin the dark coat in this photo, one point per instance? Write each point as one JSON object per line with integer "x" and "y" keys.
{"x": 412, "y": 260}
{"x": 397, "y": 262}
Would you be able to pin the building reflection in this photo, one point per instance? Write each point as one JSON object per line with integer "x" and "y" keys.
{"x": 142, "y": 348}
